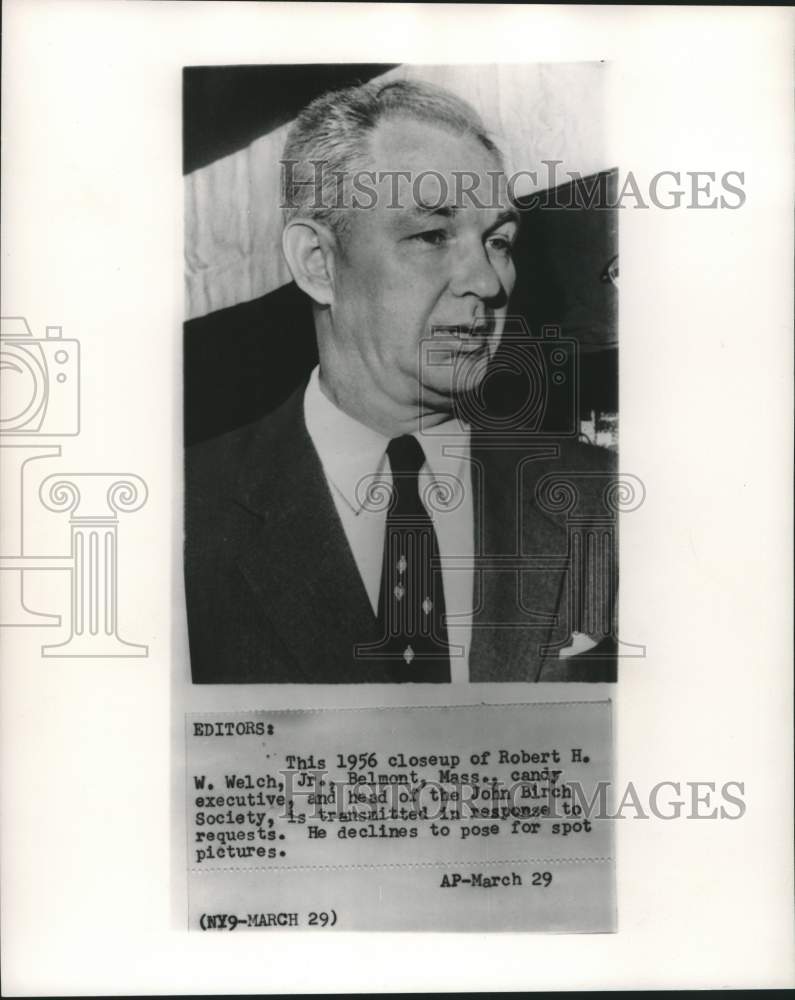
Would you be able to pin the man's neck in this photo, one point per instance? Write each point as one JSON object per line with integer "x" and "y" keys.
{"x": 375, "y": 409}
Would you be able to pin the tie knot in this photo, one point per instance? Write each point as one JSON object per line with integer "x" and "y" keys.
{"x": 405, "y": 455}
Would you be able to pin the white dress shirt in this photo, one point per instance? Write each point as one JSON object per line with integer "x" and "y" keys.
{"x": 354, "y": 461}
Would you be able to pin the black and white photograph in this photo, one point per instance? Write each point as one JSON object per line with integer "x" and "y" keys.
{"x": 401, "y": 363}
{"x": 401, "y": 443}
{"x": 395, "y": 498}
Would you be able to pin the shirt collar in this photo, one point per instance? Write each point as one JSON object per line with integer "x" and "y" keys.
{"x": 353, "y": 455}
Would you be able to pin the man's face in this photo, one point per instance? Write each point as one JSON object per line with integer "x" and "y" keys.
{"x": 425, "y": 262}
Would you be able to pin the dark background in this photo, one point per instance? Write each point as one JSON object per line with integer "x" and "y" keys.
{"x": 227, "y": 107}
{"x": 243, "y": 361}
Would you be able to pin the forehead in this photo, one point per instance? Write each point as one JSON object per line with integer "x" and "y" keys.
{"x": 418, "y": 162}
{"x": 408, "y": 144}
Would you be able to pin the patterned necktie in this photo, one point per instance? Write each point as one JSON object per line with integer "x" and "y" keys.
{"x": 411, "y": 603}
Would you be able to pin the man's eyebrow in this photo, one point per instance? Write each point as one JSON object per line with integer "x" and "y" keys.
{"x": 507, "y": 215}
{"x": 446, "y": 211}
{"x": 421, "y": 209}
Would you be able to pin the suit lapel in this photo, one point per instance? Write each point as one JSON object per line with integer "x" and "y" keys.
{"x": 297, "y": 558}
{"x": 520, "y": 560}
{"x": 297, "y": 561}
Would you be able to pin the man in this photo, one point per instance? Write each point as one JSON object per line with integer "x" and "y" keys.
{"x": 361, "y": 533}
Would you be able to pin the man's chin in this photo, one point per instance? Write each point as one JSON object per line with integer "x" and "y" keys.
{"x": 454, "y": 374}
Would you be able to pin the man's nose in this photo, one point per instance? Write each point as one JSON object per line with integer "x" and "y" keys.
{"x": 474, "y": 274}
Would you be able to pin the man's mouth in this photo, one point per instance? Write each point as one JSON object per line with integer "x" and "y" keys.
{"x": 467, "y": 333}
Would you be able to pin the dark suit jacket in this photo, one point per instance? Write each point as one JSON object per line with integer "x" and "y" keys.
{"x": 274, "y": 594}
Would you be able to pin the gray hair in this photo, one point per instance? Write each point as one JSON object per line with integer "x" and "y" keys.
{"x": 327, "y": 141}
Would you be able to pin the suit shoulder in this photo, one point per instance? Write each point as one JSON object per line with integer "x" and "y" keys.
{"x": 586, "y": 472}
{"x": 210, "y": 464}
{"x": 591, "y": 473}
{"x": 207, "y": 458}
{"x": 581, "y": 456}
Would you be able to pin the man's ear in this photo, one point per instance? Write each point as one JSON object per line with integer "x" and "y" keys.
{"x": 309, "y": 250}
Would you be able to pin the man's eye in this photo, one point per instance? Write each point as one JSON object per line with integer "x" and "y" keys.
{"x": 502, "y": 244}
{"x": 433, "y": 237}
